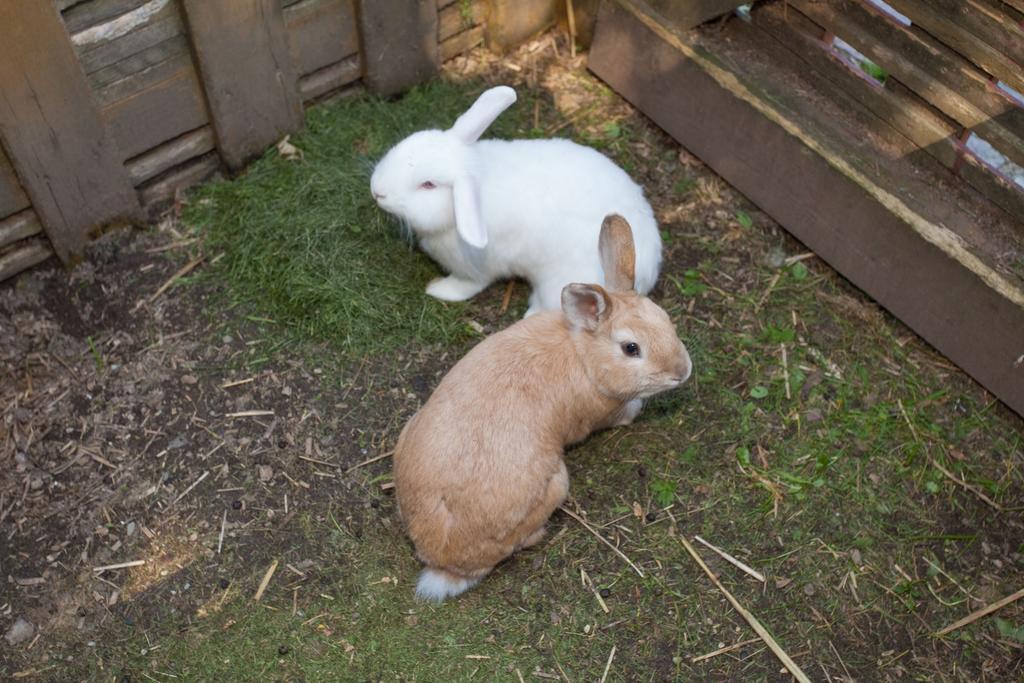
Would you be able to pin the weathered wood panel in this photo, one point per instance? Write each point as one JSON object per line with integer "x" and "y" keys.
{"x": 172, "y": 153}
{"x": 247, "y": 73}
{"x": 321, "y": 33}
{"x": 79, "y": 15}
{"x": 459, "y": 17}
{"x": 940, "y": 18}
{"x": 462, "y": 42}
{"x": 930, "y": 69}
{"x": 66, "y": 161}
{"x": 399, "y": 43}
{"x": 12, "y": 197}
{"x": 102, "y": 46}
{"x": 19, "y": 226}
{"x": 511, "y": 22}
{"x": 174, "y": 47}
{"x": 906, "y": 263}
{"x": 153, "y": 106}
{"x": 330, "y": 78}
{"x": 31, "y": 253}
{"x": 894, "y": 104}
{"x": 159, "y": 191}
{"x": 683, "y": 16}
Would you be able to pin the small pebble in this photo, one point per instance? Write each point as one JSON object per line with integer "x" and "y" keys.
{"x": 652, "y": 516}
{"x": 224, "y": 583}
{"x": 236, "y": 505}
{"x": 605, "y": 592}
{"x": 283, "y": 650}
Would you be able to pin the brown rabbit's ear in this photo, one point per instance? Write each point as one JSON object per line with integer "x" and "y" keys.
{"x": 618, "y": 256}
{"x": 585, "y": 306}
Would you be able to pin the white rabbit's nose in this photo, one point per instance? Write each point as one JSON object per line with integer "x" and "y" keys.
{"x": 378, "y": 196}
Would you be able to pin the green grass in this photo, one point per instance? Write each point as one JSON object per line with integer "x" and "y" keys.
{"x": 304, "y": 243}
{"x": 831, "y": 489}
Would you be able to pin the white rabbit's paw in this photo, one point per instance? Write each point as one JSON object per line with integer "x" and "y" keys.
{"x": 454, "y": 288}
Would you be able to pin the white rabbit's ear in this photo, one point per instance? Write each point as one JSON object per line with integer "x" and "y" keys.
{"x": 585, "y": 306}
{"x": 618, "y": 256}
{"x": 471, "y": 125}
{"x": 469, "y": 221}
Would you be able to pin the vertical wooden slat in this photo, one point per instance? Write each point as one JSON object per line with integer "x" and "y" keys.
{"x": 247, "y": 73}
{"x": 399, "y": 42}
{"x": 51, "y": 129}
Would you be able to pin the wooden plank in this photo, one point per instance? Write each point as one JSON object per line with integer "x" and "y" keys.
{"x": 81, "y": 15}
{"x": 912, "y": 117}
{"x": 52, "y": 132}
{"x": 399, "y": 43}
{"x": 158, "y": 192}
{"x": 18, "y": 227}
{"x": 101, "y": 49}
{"x": 247, "y": 73}
{"x": 175, "y": 46}
{"x": 462, "y": 42}
{"x": 938, "y": 18}
{"x": 177, "y": 151}
{"x": 929, "y": 69}
{"x": 990, "y": 23}
{"x": 682, "y": 16}
{"x": 12, "y": 197}
{"x": 459, "y": 17}
{"x": 893, "y": 104}
{"x": 330, "y": 78}
{"x": 23, "y": 258}
{"x": 911, "y": 266}
{"x": 512, "y": 22}
{"x": 154, "y": 106}
{"x": 321, "y": 33}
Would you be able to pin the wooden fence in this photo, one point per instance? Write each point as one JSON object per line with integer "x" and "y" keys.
{"x": 888, "y": 136}
{"x": 107, "y": 107}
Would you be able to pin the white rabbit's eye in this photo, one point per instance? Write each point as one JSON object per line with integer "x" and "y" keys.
{"x": 631, "y": 349}
{"x": 427, "y": 185}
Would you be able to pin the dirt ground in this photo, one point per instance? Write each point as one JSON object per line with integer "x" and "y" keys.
{"x": 189, "y": 443}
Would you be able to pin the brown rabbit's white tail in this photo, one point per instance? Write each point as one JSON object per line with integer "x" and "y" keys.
{"x": 437, "y": 585}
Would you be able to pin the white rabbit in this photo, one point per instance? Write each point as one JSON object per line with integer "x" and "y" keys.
{"x": 495, "y": 209}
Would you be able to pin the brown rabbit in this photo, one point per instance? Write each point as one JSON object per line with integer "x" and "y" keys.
{"x": 478, "y": 470}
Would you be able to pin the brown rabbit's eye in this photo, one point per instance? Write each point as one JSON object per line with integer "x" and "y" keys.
{"x": 631, "y": 349}
{"x": 427, "y": 185}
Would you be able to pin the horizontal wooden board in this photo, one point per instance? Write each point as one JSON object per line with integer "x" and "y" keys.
{"x": 108, "y": 48}
{"x": 154, "y": 106}
{"x": 171, "y": 153}
{"x": 321, "y": 33}
{"x": 942, "y": 19}
{"x": 330, "y": 78}
{"x": 23, "y": 257}
{"x": 19, "y": 226}
{"x": 175, "y": 46}
{"x": 462, "y": 42}
{"x": 904, "y": 261}
{"x": 456, "y": 18}
{"x": 12, "y": 196}
{"x": 928, "y": 68}
{"x": 158, "y": 192}
{"x": 79, "y": 15}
